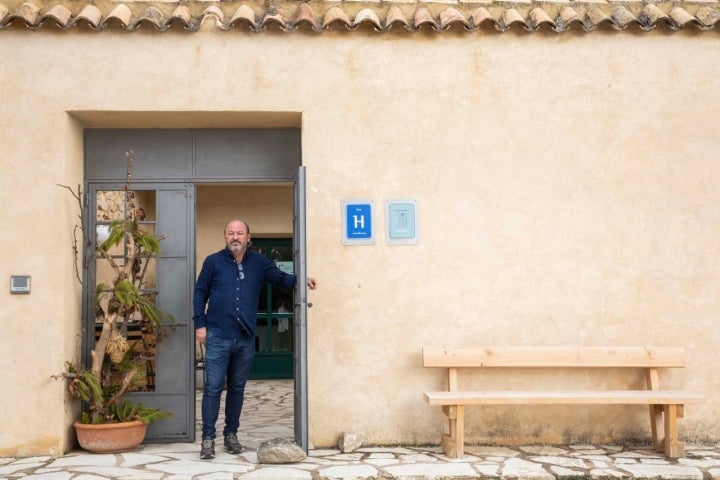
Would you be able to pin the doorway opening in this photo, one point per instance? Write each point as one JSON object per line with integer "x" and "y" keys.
{"x": 254, "y": 174}
{"x": 268, "y": 211}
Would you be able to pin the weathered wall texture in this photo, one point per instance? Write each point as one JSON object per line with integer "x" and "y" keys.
{"x": 567, "y": 192}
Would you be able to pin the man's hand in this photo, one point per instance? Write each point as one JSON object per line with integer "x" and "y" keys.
{"x": 311, "y": 283}
{"x": 201, "y": 334}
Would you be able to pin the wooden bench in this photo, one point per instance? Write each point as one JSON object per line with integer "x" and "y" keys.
{"x": 665, "y": 406}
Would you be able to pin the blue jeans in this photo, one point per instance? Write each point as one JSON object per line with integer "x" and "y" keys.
{"x": 229, "y": 358}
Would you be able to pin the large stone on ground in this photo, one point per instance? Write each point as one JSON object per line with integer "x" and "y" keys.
{"x": 280, "y": 450}
{"x": 349, "y": 442}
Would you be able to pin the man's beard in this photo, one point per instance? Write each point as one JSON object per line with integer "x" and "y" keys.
{"x": 236, "y": 247}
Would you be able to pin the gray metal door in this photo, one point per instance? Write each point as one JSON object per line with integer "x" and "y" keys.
{"x": 168, "y": 209}
{"x": 300, "y": 311}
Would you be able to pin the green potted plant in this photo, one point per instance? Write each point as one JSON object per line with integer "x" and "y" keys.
{"x": 118, "y": 364}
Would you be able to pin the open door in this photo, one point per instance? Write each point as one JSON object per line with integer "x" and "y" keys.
{"x": 300, "y": 312}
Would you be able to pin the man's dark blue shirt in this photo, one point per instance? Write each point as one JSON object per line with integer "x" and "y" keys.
{"x": 231, "y": 291}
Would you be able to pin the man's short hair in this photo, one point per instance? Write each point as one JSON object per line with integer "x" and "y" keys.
{"x": 247, "y": 227}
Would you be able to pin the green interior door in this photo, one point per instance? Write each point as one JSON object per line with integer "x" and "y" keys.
{"x": 274, "y": 336}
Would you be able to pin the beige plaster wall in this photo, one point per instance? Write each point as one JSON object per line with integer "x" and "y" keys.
{"x": 266, "y": 209}
{"x": 41, "y": 330}
{"x": 567, "y": 192}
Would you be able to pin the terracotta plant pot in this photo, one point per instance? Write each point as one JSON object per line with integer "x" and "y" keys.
{"x": 110, "y": 437}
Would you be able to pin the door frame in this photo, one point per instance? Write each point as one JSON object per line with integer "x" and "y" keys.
{"x": 269, "y": 159}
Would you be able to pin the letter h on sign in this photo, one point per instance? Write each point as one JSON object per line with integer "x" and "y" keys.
{"x": 358, "y": 222}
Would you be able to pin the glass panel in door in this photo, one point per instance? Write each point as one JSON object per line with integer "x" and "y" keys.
{"x": 141, "y": 335}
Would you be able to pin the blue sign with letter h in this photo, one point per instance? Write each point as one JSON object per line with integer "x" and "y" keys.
{"x": 358, "y": 221}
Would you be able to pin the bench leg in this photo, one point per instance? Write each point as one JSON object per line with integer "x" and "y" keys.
{"x": 447, "y": 442}
{"x": 454, "y": 444}
{"x": 673, "y": 447}
{"x": 460, "y": 433}
{"x": 449, "y": 446}
{"x": 657, "y": 427}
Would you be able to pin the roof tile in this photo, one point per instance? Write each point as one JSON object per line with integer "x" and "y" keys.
{"x": 213, "y": 15}
{"x": 244, "y": 15}
{"x": 336, "y": 14}
{"x": 482, "y": 15}
{"x": 451, "y": 16}
{"x": 623, "y": 17}
{"x": 597, "y": 17}
{"x": 424, "y": 17}
{"x": 320, "y": 15}
{"x": 123, "y": 14}
{"x": 181, "y": 14}
{"x": 708, "y": 17}
{"x": 681, "y": 17}
{"x": 304, "y": 14}
{"x": 511, "y": 16}
{"x": 539, "y": 17}
{"x": 367, "y": 15}
{"x": 153, "y": 16}
{"x": 654, "y": 14}
{"x": 274, "y": 19}
{"x": 28, "y": 12}
{"x": 91, "y": 14}
{"x": 60, "y": 14}
{"x": 396, "y": 15}
{"x": 568, "y": 16}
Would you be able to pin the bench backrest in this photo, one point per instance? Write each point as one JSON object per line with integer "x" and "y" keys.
{"x": 565, "y": 357}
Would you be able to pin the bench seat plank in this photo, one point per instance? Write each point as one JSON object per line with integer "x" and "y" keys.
{"x": 530, "y": 397}
{"x": 557, "y": 357}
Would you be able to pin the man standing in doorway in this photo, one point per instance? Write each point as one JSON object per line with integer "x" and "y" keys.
{"x": 225, "y": 303}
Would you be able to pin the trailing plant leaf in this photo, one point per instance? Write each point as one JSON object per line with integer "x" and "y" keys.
{"x": 149, "y": 311}
{"x": 149, "y": 243}
{"x": 149, "y": 415}
{"x": 115, "y": 236}
{"x": 84, "y": 385}
{"x": 126, "y": 293}
{"x": 128, "y": 412}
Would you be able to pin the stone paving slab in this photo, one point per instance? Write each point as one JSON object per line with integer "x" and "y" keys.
{"x": 268, "y": 414}
{"x": 574, "y": 462}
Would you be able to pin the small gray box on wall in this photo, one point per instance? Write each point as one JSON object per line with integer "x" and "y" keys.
{"x": 20, "y": 284}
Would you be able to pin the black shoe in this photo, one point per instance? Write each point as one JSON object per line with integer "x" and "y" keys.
{"x": 207, "y": 449}
{"x": 231, "y": 444}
